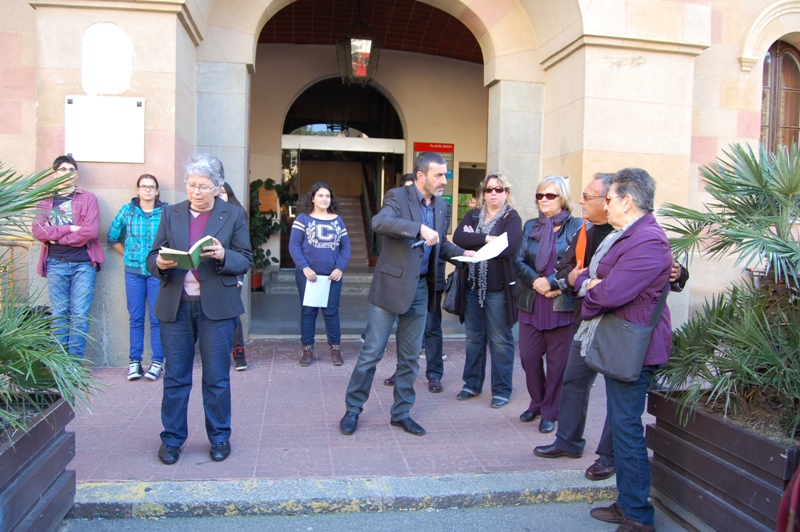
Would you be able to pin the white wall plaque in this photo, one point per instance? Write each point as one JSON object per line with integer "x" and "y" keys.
{"x": 104, "y": 128}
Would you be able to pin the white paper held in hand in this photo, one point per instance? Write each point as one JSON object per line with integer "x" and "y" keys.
{"x": 316, "y": 294}
{"x": 489, "y": 251}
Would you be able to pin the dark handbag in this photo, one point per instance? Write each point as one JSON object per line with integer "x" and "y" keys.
{"x": 452, "y": 301}
{"x": 619, "y": 346}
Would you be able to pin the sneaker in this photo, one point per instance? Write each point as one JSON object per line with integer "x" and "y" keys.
{"x": 155, "y": 371}
{"x": 444, "y": 357}
{"x": 135, "y": 370}
{"x": 239, "y": 361}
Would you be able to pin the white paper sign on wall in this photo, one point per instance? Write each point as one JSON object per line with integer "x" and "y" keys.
{"x": 104, "y": 128}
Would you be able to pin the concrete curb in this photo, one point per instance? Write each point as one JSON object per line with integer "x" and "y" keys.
{"x": 143, "y": 500}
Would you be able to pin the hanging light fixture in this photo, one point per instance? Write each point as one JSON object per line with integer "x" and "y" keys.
{"x": 358, "y": 53}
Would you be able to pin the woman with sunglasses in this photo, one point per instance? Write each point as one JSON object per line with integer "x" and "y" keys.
{"x": 490, "y": 311}
{"x": 546, "y": 315}
{"x": 131, "y": 234}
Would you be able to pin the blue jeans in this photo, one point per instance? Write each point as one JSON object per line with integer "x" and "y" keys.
{"x": 625, "y": 403}
{"x": 410, "y": 331}
{"x": 488, "y": 325}
{"x": 308, "y": 315}
{"x": 141, "y": 289}
{"x": 215, "y": 339}
{"x": 71, "y": 289}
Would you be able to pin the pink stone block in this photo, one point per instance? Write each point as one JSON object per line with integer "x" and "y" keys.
{"x": 704, "y": 149}
{"x": 473, "y": 22}
{"x": 10, "y": 118}
{"x": 749, "y": 124}
{"x": 18, "y": 83}
{"x": 492, "y": 11}
{"x": 10, "y": 48}
{"x": 716, "y": 27}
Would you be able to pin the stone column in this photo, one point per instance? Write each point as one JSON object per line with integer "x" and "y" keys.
{"x": 223, "y": 111}
{"x": 514, "y": 144}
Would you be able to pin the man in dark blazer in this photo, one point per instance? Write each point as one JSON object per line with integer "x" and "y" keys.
{"x": 403, "y": 287}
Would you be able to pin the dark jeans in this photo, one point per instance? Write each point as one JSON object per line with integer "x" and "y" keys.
{"x": 215, "y": 339}
{"x": 409, "y": 339}
{"x": 544, "y": 386}
{"x": 308, "y": 315}
{"x": 578, "y": 380}
{"x": 434, "y": 367}
{"x": 625, "y": 402}
{"x": 488, "y": 325}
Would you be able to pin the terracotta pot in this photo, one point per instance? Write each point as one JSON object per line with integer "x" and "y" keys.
{"x": 36, "y": 490}
{"x": 257, "y": 282}
{"x": 714, "y": 474}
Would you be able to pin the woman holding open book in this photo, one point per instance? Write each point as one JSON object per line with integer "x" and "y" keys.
{"x": 131, "y": 234}
{"x": 320, "y": 248}
{"x": 199, "y": 306}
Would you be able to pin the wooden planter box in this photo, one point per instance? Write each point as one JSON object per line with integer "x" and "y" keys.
{"x": 714, "y": 474}
{"x": 36, "y": 490}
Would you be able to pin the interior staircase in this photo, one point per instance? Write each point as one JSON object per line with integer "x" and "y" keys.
{"x": 350, "y": 211}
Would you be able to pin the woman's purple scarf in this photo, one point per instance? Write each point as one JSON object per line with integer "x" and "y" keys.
{"x": 543, "y": 232}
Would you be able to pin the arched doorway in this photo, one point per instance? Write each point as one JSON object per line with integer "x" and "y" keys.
{"x": 350, "y": 137}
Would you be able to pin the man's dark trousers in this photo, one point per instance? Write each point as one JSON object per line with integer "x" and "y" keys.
{"x": 573, "y": 406}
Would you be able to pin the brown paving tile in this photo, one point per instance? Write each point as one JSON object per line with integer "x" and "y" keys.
{"x": 285, "y": 425}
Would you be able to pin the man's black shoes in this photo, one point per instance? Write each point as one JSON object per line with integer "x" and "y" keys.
{"x": 410, "y": 426}
{"x": 168, "y": 454}
{"x": 220, "y": 451}
{"x": 348, "y": 423}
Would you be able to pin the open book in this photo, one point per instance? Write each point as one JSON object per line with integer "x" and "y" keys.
{"x": 187, "y": 260}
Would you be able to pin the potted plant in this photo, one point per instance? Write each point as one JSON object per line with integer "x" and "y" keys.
{"x": 262, "y": 226}
{"x": 724, "y": 442}
{"x": 40, "y": 383}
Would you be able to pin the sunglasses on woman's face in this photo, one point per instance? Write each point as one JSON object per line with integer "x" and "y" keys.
{"x": 489, "y": 190}
{"x": 549, "y": 196}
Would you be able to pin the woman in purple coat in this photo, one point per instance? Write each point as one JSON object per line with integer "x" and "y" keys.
{"x": 627, "y": 274}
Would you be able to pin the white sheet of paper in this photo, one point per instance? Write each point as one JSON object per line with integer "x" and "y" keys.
{"x": 316, "y": 294}
{"x": 489, "y": 251}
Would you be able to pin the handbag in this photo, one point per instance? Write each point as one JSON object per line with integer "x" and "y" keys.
{"x": 619, "y": 346}
{"x": 452, "y": 301}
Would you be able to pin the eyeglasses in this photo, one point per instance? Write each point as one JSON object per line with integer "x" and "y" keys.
{"x": 201, "y": 188}
{"x": 549, "y": 196}
{"x": 150, "y": 187}
{"x": 587, "y": 197}
{"x": 499, "y": 190}
{"x": 609, "y": 198}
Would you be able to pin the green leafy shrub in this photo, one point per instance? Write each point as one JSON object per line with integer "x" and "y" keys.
{"x": 743, "y": 346}
{"x": 33, "y": 364}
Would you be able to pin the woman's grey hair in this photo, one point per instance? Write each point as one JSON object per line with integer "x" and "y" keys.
{"x": 205, "y": 165}
{"x": 504, "y": 182}
{"x": 561, "y": 187}
{"x": 638, "y": 184}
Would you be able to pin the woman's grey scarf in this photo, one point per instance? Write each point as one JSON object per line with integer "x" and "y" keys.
{"x": 485, "y": 228}
{"x": 585, "y": 334}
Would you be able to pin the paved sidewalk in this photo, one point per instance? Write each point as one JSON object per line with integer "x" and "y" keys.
{"x": 286, "y": 438}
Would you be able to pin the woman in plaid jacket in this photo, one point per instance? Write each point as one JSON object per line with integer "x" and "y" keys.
{"x": 135, "y": 224}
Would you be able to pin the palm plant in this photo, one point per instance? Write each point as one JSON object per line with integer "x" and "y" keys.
{"x": 743, "y": 346}
{"x": 33, "y": 364}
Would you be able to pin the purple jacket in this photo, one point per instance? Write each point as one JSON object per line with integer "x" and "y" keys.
{"x": 634, "y": 272}
{"x": 86, "y": 213}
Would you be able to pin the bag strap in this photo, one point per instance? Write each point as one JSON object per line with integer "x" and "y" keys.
{"x": 660, "y": 307}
